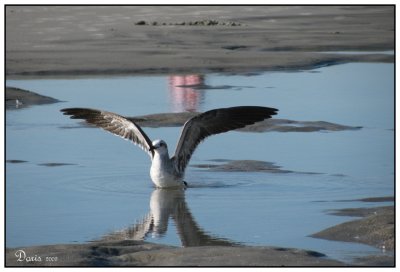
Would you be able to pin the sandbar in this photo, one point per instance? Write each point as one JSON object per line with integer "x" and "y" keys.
{"x": 95, "y": 40}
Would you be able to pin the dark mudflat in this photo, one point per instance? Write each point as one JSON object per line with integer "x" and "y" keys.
{"x": 16, "y": 98}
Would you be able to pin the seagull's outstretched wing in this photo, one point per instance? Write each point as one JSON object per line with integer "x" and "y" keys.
{"x": 113, "y": 123}
{"x": 213, "y": 122}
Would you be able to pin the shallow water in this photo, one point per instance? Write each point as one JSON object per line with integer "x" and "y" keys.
{"x": 79, "y": 184}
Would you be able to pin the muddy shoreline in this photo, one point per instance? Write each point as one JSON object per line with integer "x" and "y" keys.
{"x": 135, "y": 253}
{"x": 375, "y": 228}
{"x": 79, "y": 41}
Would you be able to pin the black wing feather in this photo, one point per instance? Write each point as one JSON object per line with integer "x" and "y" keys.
{"x": 213, "y": 122}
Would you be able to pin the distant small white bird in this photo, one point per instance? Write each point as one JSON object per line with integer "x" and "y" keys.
{"x": 165, "y": 171}
{"x": 18, "y": 103}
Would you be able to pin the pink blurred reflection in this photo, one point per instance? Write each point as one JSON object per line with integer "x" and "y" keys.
{"x": 183, "y": 93}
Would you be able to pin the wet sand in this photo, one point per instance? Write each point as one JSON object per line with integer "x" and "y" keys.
{"x": 375, "y": 228}
{"x": 43, "y": 41}
{"x": 134, "y": 253}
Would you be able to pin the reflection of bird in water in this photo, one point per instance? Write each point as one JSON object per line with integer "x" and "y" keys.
{"x": 166, "y": 204}
{"x": 166, "y": 171}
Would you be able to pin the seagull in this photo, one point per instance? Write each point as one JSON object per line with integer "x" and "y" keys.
{"x": 169, "y": 171}
{"x": 18, "y": 103}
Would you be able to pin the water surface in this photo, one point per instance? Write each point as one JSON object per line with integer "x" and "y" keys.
{"x": 75, "y": 184}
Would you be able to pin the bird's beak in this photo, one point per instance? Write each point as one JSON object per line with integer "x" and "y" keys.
{"x": 152, "y": 148}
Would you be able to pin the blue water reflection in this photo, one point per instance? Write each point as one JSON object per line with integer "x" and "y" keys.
{"x": 107, "y": 188}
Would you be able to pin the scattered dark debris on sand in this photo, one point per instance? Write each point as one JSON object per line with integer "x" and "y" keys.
{"x": 18, "y": 98}
{"x": 205, "y": 22}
